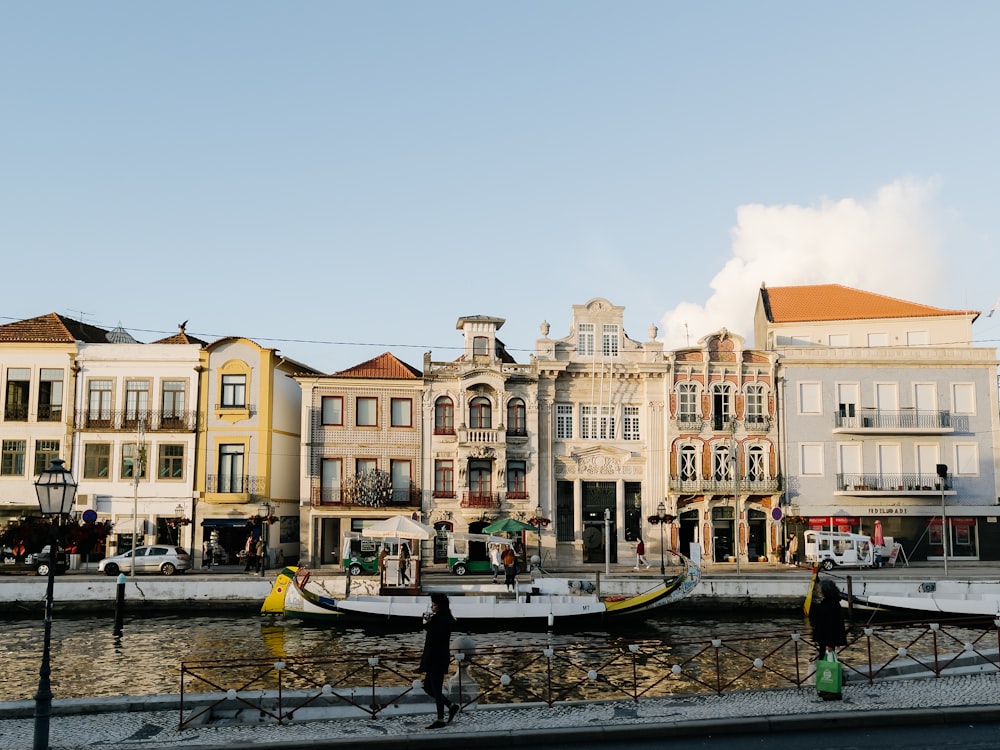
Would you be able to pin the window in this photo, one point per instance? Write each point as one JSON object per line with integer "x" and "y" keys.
{"x": 630, "y": 423}
{"x": 401, "y": 412}
{"x": 609, "y": 340}
{"x": 687, "y": 403}
{"x": 480, "y": 413}
{"x": 756, "y": 467}
{"x": 331, "y": 476}
{"x": 963, "y": 398}
{"x": 811, "y": 459}
{"x": 45, "y": 452}
{"x": 96, "y": 460}
{"x": 722, "y": 406}
{"x": 517, "y": 486}
{"x": 50, "y": 393}
{"x": 755, "y": 404}
{"x": 878, "y": 339}
{"x": 722, "y": 469}
{"x": 366, "y": 412}
{"x": 480, "y": 346}
{"x": 480, "y": 478}
{"x": 99, "y": 403}
{"x": 597, "y": 422}
{"x": 332, "y": 410}
{"x": 399, "y": 474}
{"x": 365, "y": 465}
{"x": 172, "y": 402}
{"x": 689, "y": 463}
{"x": 170, "y": 464}
{"x": 564, "y": 421}
{"x": 918, "y": 338}
{"x": 12, "y": 458}
{"x": 234, "y": 391}
{"x": 16, "y": 405}
{"x": 839, "y": 340}
{"x": 133, "y": 455}
{"x": 231, "y": 477}
{"x": 516, "y": 417}
{"x": 585, "y": 339}
{"x": 444, "y": 479}
{"x": 136, "y": 401}
{"x": 444, "y": 416}
{"x": 967, "y": 459}
{"x": 847, "y": 400}
{"x": 810, "y": 398}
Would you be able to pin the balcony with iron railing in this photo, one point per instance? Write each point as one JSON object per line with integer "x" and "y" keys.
{"x": 127, "y": 420}
{"x": 440, "y": 429}
{"x": 344, "y": 497}
{"x": 517, "y": 495}
{"x": 241, "y": 484}
{"x": 892, "y": 484}
{"x": 480, "y": 500}
{"x": 747, "y": 486}
{"x": 896, "y": 422}
{"x": 50, "y": 412}
{"x": 15, "y": 413}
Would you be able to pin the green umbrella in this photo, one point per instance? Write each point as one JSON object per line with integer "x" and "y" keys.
{"x": 508, "y": 525}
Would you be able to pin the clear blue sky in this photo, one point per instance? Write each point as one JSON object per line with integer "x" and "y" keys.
{"x": 368, "y": 172}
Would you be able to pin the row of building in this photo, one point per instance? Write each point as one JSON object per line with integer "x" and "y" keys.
{"x": 849, "y": 407}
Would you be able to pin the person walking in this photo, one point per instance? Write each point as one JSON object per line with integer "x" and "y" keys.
{"x": 438, "y": 624}
{"x": 827, "y": 619}
{"x": 792, "y": 554}
{"x": 495, "y": 562}
{"x": 404, "y": 564}
{"x": 509, "y": 560}
{"x": 640, "y": 554}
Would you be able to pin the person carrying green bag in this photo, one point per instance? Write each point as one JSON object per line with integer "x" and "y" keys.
{"x": 829, "y": 632}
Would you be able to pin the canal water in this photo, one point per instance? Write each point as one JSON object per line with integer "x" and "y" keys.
{"x": 89, "y": 660}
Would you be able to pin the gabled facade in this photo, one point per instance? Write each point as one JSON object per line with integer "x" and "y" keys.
{"x": 880, "y": 398}
{"x": 480, "y": 433}
{"x": 361, "y": 460}
{"x": 601, "y": 433}
{"x": 723, "y": 450}
{"x": 248, "y": 449}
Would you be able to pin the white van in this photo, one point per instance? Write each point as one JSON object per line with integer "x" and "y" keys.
{"x": 838, "y": 548}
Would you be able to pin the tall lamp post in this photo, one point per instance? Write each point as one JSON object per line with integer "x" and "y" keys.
{"x": 264, "y": 511}
{"x": 661, "y": 513}
{"x": 56, "y": 492}
{"x": 942, "y": 472}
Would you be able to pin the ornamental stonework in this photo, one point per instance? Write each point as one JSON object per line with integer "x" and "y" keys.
{"x": 599, "y": 465}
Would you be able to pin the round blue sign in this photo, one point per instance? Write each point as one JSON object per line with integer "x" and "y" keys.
{"x": 90, "y": 515}
{"x": 776, "y": 514}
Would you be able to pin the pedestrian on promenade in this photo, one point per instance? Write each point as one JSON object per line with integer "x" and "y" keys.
{"x": 206, "y": 554}
{"x": 248, "y": 554}
{"x": 792, "y": 553}
{"x": 259, "y": 553}
{"x": 827, "y": 618}
{"x": 509, "y": 560}
{"x": 640, "y": 554}
{"x": 495, "y": 562}
{"x": 404, "y": 564}
{"x": 438, "y": 623}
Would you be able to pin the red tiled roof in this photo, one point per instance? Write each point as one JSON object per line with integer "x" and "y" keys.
{"x": 816, "y": 302}
{"x": 182, "y": 337}
{"x": 383, "y": 366}
{"x": 52, "y": 329}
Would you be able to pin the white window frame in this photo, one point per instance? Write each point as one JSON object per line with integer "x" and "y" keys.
{"x": 630, "y": 422}
{"x": 610, "y": 337}
{"x": 963, "y": 398}
{"x": 878, "y": 339}
{"x": 564, "y": 421}
{"x": 585, "y": 339}
{"x": 966, "y": 459}
{"x": 811, "y": 460}
{"x": 810, "y": 397}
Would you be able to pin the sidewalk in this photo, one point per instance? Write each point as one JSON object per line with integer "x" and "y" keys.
{"x": 969, "y": 698}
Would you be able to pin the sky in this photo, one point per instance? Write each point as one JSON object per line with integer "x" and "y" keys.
{"x": 340, "y": 179}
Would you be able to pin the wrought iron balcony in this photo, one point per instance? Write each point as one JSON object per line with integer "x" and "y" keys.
{"x": 444, "y": 494}
{"x": 343, "y": 497}
{"x": 892, "y": 484}
{"x": 907, "y": 420}
{"x": 127, "y": 420}
{"x": 747, "y": 486}
{"x": 444, "y": 429}
{"x": 689, "y": 422}
{"x": 50, "y": 413}
{"x": 15, "y": 413}
{"x": 240, "y": 484}
{"x": 517, "y": 494}
{"x": 757, "y": 424}
{"x": 480, "y": 500}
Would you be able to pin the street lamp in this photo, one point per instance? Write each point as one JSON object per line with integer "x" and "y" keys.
{"x": 942, "y": 472}
{"x": 538, "y": 531}
{"x": 56, "y": 492}
{"x": 661, "y": 513}
{"x": 264, "y": 511}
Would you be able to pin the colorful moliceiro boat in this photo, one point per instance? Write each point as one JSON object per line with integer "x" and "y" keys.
{"x": 544, "y": 600}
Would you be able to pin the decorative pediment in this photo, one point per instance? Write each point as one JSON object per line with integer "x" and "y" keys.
{"x": 603, "y": 461}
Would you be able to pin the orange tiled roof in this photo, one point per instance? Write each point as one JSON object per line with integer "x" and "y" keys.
{"x": 52, "y": 329}
{"x": 816, "y": 302}
{"x": 383, "y": 366}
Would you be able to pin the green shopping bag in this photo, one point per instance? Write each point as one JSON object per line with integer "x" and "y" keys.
{"x": 829, "y": 677}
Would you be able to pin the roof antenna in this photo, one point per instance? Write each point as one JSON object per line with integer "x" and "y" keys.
{"x": 80, "y": 314}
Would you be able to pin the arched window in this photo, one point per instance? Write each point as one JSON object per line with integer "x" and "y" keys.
{"x": 444, "y": 416}
{"x": 756, "y": 464}
{"x": 722, "y": 406}
{"x": 480, "y": 413}
{"x": 755, "y": 407}
{"x": 689, "y": 464}
{"x": 722, "y": 470}
{"x": 687, "y": 404}
{"x": 516, "y": 416}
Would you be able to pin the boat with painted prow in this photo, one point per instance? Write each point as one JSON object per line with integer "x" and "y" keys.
{"x": 544, "y": 600}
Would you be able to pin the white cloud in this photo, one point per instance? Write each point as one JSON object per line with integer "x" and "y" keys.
{"x": 888, "y": 245}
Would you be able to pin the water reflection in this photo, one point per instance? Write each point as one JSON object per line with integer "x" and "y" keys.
{"x": 89, "y": 660}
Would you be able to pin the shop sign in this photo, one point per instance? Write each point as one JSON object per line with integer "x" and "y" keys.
{"x": 892, "y": 510}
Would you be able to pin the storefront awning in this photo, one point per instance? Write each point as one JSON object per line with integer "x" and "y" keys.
{"x": 124, "y": 526}
{"x": 229, "y": 523}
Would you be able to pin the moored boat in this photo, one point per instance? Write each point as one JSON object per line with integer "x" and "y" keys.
{"x": 544, "y": 600}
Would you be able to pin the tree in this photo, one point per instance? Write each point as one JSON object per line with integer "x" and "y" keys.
{"x": 372, "y": 488}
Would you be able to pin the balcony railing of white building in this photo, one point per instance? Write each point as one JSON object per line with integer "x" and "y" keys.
{"x": 344, "y": 497}
{"x": 242, "y": 484}
{"x": 896, "y": 421}
{"x": 892, "y": 483}
{"x": 129, "y": 421}
{"x": 725, "y": 486}
{"x": 482, "y": 436}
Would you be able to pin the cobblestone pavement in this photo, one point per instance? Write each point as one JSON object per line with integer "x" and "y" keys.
{"x": 914, "y": 701}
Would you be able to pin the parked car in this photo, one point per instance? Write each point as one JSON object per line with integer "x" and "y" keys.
{"x": 37, "y": 563}
{"x": 157, "y": 558}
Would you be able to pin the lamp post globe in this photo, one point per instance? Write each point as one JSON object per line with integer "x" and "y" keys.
{"x": 56, "y": 493}
{"x": 661, "y": 513}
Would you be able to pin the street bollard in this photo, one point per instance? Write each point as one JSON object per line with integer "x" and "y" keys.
{"x": 120, "y": 604}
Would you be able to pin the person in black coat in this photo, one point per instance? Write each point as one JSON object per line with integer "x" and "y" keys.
{"x": 438, "y": 624}
{"x": 827, "y": 618}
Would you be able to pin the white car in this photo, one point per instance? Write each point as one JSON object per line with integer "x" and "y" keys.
{"x": 155, "y": 558}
